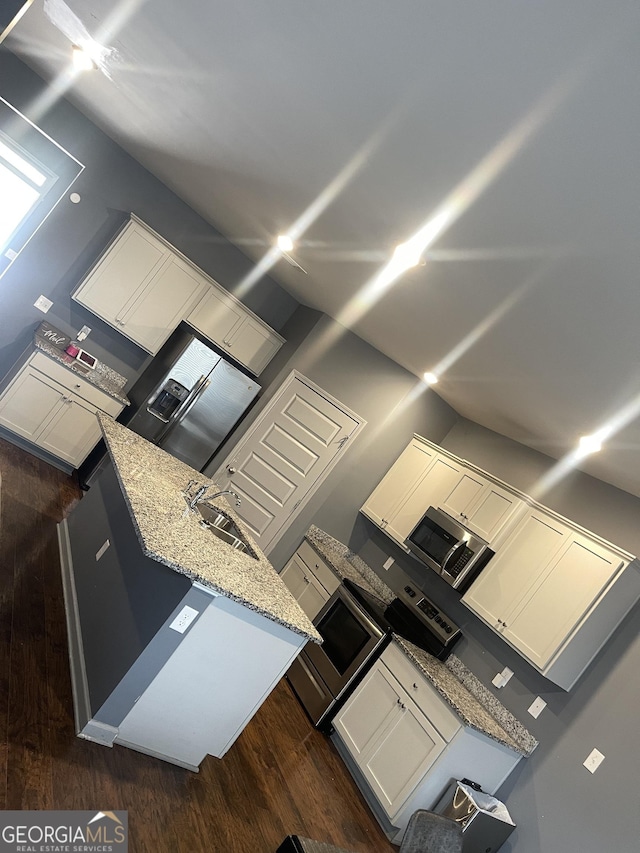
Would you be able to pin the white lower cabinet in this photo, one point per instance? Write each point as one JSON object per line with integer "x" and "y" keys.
{"x": 408, "y": 744}
{"x": 55, "y": 409}
{"x": 309, "y": 579}
{"x": 555, "y": 594}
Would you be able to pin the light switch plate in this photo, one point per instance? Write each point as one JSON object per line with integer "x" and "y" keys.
{"x": 537, "y": 707}
{"x": 42, "y": 304}
{"x": 593, "y": 760}
{"x": 388, "y": 563}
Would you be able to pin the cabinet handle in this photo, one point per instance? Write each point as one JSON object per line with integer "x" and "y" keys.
{"x": 77, "y": 385}
{"x": 415, "y": 686}
{"x": 403, "y": 706}
{"x": 306, "y": 579}
{"x": 398, "y": 701}
{"x": 231, "y": 469}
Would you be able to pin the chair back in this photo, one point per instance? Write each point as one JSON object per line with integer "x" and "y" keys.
{"x": 428, "y": 832}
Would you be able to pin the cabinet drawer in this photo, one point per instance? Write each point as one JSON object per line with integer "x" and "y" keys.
{"x": 324, "y": 573}
{"x": 77, "y": 384}
{"x": 424, "y": 695}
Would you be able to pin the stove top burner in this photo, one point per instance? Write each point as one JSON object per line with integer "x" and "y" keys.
{"x": 413, "y": 617}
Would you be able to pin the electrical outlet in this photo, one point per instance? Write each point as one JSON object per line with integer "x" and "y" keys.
{"x": 184, "y": 619}
{"x": 593, "y": 760}
{"x": 42, "y": 304}
{"x": 388, "y": 563}
{"x": 537, "y": 707}
{"x": 82, "y": 334}
{"x": 502, "y": 677}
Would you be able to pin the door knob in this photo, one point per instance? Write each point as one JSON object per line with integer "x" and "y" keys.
{"x": 231, "y": 469}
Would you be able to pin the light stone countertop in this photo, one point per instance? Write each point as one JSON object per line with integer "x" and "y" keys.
{"x": 103, "y": 377}
{"x": 476, "y": 706}
{"x": 152, "y": 483}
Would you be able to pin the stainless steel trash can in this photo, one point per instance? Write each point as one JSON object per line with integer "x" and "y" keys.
{"x": 486, "y": 823}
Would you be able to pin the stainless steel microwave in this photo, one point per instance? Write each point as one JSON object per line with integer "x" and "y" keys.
{"x": 454, "y": 552}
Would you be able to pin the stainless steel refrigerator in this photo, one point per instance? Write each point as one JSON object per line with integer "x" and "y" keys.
{"x": 197, "y": 401}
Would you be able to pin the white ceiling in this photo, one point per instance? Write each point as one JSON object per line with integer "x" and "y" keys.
{"x": 355, "y": 122}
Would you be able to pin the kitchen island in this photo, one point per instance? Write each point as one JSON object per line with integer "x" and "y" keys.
{"x": 175, "y": 637}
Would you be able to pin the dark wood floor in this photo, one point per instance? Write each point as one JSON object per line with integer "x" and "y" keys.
{"x": 280, "y": 777}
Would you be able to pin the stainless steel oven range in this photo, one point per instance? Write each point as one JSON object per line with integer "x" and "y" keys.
{"x": 356, "y": 626}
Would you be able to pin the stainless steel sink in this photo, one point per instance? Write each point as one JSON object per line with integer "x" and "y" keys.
{"x": 222, "y": 526}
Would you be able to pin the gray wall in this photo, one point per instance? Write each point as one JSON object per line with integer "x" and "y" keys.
{"x": 557, "y": 804}
{"x": 112, "y": 185}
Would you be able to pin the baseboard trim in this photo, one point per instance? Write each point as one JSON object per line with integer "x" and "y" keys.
{"x": 79, "y": 683}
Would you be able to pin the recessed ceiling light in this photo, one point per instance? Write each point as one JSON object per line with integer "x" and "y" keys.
{"x": 285, "y": 243}
{"x": 81, "y": 59}
{"x": 589, "y": 444}
{"x": 430, "y": 378}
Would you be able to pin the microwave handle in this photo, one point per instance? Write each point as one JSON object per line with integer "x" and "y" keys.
{"x": 449, "y": 558}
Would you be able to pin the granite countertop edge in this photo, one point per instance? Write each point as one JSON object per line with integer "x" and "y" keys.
{"x": 111, "y": 429}
{"x": 101, "y": 377}
{"x": 463, "y": 692}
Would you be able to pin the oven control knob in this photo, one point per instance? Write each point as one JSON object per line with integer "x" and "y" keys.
{"x": 448, "y": 629}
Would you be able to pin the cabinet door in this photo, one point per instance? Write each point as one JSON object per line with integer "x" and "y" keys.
{"x": 252, "y": 344}
{"x": 391, "y": 740}
{"x": 515, "y": 568}
{"x": 368, "y": 712}
{"x": 465, "y": 492}
{"x": 29, "y": 402}
{"x": 72, "y": 433}
{"x": 400, "y": 480}
{"x": 491, "y": 511}
{"x": 406, "y": 751}
{"x": 435, "y": 484}
{"x": 571, "y": 583}
{"x": 306, "y": 590}
{"x": 216, "y": 316}
{"x": 162, "y": 304}
{"x": 119, "y": 277}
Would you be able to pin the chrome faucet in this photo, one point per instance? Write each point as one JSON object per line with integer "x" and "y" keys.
{"x": 199, "y": 494}
{"x": 227, "y": 492}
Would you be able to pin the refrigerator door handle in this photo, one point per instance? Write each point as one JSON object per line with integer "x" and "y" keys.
{"x": 182, "y": 410}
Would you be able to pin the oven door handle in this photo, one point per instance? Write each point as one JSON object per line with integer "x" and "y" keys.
{"x": 449, "y": 557}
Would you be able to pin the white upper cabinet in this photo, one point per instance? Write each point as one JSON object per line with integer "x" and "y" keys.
{"x": 553, "y": 591}
{"x": 425, "y": 476}
{"x": 555, "y": 594}
{"x": 401, "y": 479}
{"x": 143, "y": 287}
{"x": 481, "y": 505}
{"x": 231, "y": 326}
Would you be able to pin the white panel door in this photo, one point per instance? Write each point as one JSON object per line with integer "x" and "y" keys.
{"x": 286, "y": 454}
